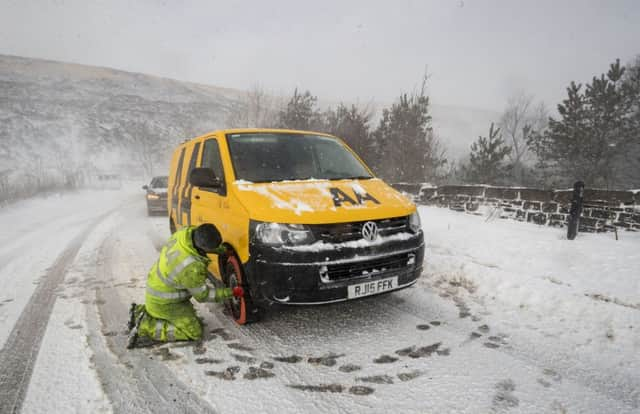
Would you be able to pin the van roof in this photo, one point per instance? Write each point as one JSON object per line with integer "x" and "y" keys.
{"x": 255, "y": 130}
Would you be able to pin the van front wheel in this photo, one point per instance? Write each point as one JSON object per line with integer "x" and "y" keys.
{"x": 243, "y": 310}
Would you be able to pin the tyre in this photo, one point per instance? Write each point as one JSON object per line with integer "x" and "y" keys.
{"x": 172, "y": 226}
{"x": 242, "y": 310}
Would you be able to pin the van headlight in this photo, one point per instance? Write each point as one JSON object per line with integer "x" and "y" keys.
{"x": 152, "y": 196}
{"x": 414, "y": 222}
{"x": 287, "y": 234}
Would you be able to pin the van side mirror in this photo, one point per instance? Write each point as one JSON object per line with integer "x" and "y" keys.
{"x": 204, "y": 177}
{"x": 145, "y": 187}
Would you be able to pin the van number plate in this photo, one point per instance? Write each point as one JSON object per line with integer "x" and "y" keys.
{"x": 371, "y": 288}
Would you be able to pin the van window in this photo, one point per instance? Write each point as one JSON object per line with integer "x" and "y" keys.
{"x": 211, "y": 159}
{"x": 277, "y": 157}
{"x": 192, "y": 161}
{"x": 185, "y": 205}
{"x": 176, "y": 183}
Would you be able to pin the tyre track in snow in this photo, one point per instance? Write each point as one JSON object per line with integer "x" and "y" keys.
{"x": 132, "y": 380}
{"x": 20, "y": 351}
{"x": 19, "y": 243}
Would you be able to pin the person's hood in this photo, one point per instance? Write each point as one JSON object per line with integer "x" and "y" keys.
{"x": 322, "y": 201}
{"x": 184, "y": 237}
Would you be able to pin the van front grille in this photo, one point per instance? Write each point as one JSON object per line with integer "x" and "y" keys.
{"x": 344, "y": 232}
{"x": 365, "y": 268}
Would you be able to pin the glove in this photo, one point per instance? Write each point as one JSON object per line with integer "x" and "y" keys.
{"x": 223, "y": 294}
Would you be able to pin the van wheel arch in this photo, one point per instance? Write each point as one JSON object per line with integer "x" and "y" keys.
{"x": 245, "y": 310}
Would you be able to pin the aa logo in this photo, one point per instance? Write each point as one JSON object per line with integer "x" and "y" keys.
{"x": 340, "y": 197}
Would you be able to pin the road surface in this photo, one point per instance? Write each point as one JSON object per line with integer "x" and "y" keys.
{"x": 436, "y": 347}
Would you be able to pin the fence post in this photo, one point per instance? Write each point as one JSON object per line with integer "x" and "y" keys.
{"x": 576, "y": 209}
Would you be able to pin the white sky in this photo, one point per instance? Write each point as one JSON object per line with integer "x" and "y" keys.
{"x": 478, "y": 51}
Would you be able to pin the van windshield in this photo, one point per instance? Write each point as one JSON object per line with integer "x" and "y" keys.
{"x": 266, "y": 157}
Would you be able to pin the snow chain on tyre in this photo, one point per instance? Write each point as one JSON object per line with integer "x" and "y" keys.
{"x": 246, "y": 311}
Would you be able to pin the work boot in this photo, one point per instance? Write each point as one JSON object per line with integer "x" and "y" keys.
{"x": 134, "y": 312}
{"x": 132, "y": 317}
{"x": 132, "y": 341}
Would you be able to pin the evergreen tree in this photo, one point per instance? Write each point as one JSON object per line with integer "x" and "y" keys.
{"x": 608, "y": 132}
{"x": 594, "y": 134}
{"x": 301, "y": 113}
{"x": 630, "y": 159}
{"x": 560, "y": 144}
{"x": 486, "y": 160}
{"x": 406, "y": 149}
{"x": 352, "y": 125}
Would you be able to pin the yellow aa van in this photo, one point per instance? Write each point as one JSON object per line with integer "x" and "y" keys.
{"x": 304, "y": 220}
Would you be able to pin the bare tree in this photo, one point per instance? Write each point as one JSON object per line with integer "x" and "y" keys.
{"x": 238, "y": 116}
{"x": 437, "y": 166}
{"x": 520, "y": 119}
{"x": 257, "y": 109}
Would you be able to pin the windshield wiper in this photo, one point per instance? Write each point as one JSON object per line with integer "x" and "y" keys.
{"x": 275, "y": 180}
{"x": 356, "y": 177}
{"x": 279, "y": 180}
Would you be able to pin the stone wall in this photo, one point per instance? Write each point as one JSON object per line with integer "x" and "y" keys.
{"x": 604, "y": 210}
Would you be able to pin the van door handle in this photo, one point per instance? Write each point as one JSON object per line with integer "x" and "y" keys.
{"x": 197, "y": 197}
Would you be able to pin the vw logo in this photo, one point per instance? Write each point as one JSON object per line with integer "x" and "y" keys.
{"x": 369, "y": 231}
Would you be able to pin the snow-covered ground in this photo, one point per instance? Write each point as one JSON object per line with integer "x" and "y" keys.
{"x": 507, "y": 317}
{"x": 575, "y": 304}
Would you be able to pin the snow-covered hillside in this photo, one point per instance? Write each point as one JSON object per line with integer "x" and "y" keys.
{"x": 507, "y": 317}
{"x": 60, "y": 116}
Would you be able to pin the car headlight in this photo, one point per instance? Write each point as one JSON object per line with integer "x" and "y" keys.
{"x": 288, "y": 234}
{"x": 152, "y": 196}
{"x": 414, "y": 222}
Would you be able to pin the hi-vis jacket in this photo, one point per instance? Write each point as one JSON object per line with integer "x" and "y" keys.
{"x": 179, "y": 273}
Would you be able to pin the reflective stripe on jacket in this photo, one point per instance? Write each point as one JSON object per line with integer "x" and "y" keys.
{"x": 179, "y": 273}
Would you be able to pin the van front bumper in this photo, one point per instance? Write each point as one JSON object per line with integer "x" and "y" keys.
{"x": 300, "y": 276}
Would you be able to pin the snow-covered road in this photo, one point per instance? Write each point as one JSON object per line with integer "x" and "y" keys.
{"x": 508, "y": 317}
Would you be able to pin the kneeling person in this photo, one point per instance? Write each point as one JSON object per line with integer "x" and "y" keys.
{"x": 179, "y": 274}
